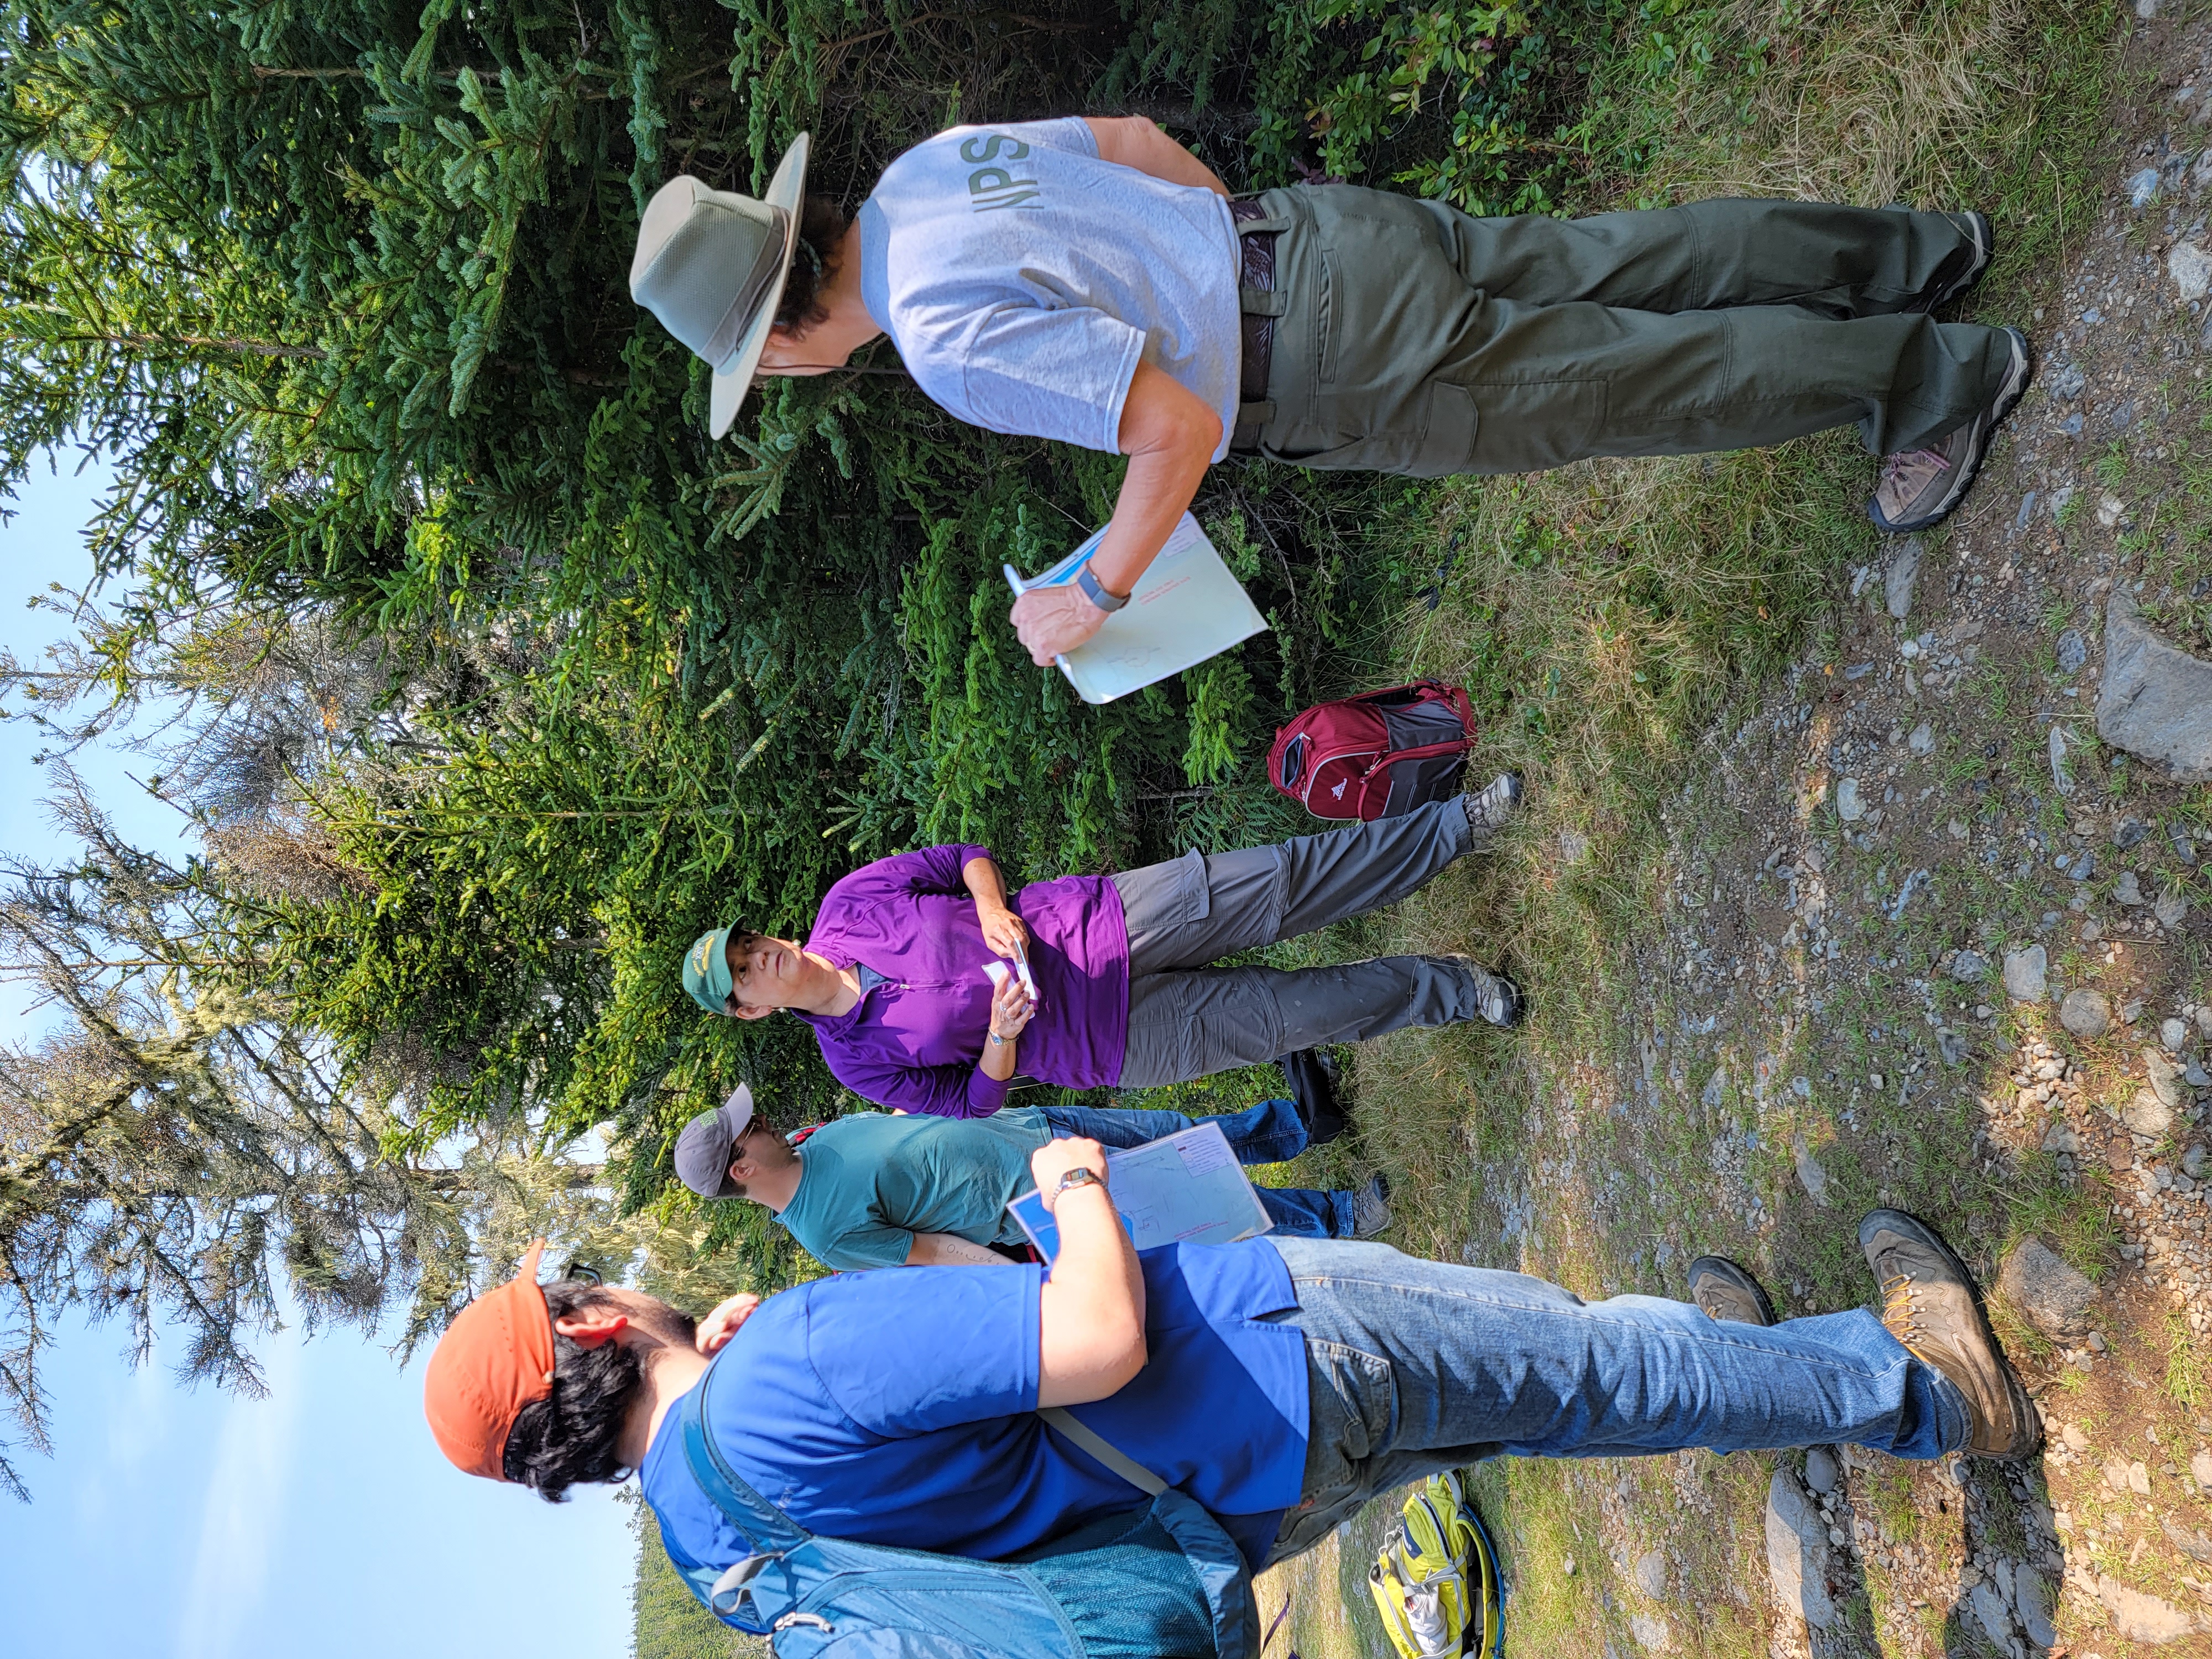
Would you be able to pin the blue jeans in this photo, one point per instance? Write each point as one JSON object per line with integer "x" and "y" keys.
{"x": 1269, "y": 1133}
{"x": 1415, "y": 1366}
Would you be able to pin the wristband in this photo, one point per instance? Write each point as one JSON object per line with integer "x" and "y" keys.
{"x": 1088, "y": 584}
{"x": 1075, "y": 1178}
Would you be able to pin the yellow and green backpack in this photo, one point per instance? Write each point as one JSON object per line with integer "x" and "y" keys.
{"x": 1436, "y": 1579}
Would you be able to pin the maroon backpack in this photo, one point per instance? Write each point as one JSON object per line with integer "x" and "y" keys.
{"x": 1376, "y": 754}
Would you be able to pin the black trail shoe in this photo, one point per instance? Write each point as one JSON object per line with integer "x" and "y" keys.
{"x": 1962, "y": 271}
{"x": 1928, "y": 1304}
{"x": 1722, "y": 1289}
{"x": 1370, "y": 1208}
{"x": 1312, "y": 1078}
{"x": 1498, "y": 998}
{"x": 1920, "y": 488}
{"x": 1486, "y": 812}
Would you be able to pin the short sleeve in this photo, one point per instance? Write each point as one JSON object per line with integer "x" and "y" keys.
{"x": 1067, "y": 132}
{"x": 1051, "y": 374}
{"x": 906, "y": 1353}
{"x": 862, "y": 1248}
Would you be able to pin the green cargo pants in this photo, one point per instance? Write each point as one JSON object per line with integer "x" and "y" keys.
{"x": 1411, "y": 338}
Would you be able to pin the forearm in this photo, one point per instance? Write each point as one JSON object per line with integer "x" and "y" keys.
{"x": 985, "y": 885}
{"x": 1130, "y": 140}
{"x": 998, "y": 1061}
{"x": 1156, "y": 493}
{"x": 1092, "y": 1317}
{"x": 950, "y": 1250}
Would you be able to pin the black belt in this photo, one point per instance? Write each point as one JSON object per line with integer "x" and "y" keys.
{"x": 1255, "y": 275}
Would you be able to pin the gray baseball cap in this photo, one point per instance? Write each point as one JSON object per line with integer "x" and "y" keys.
{"x": 702, "y": 1151}
{"x": 710, "y": 264}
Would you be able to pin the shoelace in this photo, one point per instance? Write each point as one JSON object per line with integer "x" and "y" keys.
{"x": 1900, "y": 1310}
{"x": 1892, "y": 465}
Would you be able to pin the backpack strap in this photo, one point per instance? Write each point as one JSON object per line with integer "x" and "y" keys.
{"x": 1104, "y": 1450}
{"x": 769, "y": 1531}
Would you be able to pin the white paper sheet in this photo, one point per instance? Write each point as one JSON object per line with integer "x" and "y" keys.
{"x": 1186, "y": 1188}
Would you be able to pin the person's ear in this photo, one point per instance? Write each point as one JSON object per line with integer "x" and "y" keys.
{"x": 592, "y": 1327}
{"x": 747, "y": 1010}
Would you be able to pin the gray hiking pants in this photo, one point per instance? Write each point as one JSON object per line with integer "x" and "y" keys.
{"x": 1411, "y": 338}
{"x": 1187, "y": 1020}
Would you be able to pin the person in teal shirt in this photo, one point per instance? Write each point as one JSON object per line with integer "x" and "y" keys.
{"x": 877, "y": 1189}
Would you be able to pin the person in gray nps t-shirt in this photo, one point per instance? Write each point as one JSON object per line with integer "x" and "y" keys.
{"x": 1093, "y": 281}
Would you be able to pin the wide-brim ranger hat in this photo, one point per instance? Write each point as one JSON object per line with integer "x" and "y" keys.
{"x": 494, "y": 1359}
{"x": 710, "y": 265}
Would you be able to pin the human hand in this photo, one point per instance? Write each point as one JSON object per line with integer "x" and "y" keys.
{"x": 1053, "y": 621}
{"x": 1003, "y": 931}
{"x": 1056, "y": 1157}
{"x": 1010, "y": 1009}
{"x": 716, "y": 1329}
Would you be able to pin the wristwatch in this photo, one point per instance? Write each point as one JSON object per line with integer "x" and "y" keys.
{"x": 1075, "y": 1178}
{"x": 998, "y": 1041}
{"x": 1087, "y": 581}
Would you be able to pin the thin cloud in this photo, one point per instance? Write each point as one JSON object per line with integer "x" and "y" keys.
{"x": 242, "y": 1516}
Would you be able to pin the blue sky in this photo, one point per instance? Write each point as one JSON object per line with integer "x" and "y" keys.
{"x": 320, "y": 1520}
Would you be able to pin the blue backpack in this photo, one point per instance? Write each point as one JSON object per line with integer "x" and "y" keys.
{"x": 1161, "y": 1582}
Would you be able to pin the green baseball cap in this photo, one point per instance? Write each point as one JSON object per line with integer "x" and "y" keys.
{"x": 706, "y": 970}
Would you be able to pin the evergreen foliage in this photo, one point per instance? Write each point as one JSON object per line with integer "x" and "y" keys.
{"x": 341, "y": 286}
{"x": 667, "y": 1621}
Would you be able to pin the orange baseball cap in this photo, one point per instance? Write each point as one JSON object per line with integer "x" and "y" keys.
{"x": 494, "y": 1359}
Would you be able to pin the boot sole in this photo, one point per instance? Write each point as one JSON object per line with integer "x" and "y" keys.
{"x": 2024, "y": 1409}
{"x": 2017, "y": 380}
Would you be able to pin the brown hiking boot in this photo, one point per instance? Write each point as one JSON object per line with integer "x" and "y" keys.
{"x": 1722, "y": 1289}
{"x": 1929, "y": 1304}
{"x": 1919, "y": 488}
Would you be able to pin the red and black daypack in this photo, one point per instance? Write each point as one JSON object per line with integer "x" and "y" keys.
{"x": 1376, "y": 754}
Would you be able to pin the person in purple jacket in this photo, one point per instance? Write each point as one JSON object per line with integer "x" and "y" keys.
{"x": 894, "y": 977}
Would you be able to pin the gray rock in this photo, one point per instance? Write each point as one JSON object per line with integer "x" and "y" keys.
{"x": 2141, "y": 188}
{"x": 1952, "y": 1046}
{"x": 2127, "y": 889}
{"x": 2191, "y": 267}
{"x": 2073, "y": 651}
{"x": 2165, "y": 1077}
{"x": 1903, "y": 575}
{"x": 2062, "y": 772}
{"x": 1923, "y": 740}
{"x": 1820, "y": 1471}
{"x": 1815, "y": 1178}
{"x": 2147, "y": 1115}
{"x": 2194, "y": 1160}
{"x": 2027, "y": 974}
{"x": 1651, "y": 1574}
{"x": 2194, "y": 1545}
{"x": 2185, "y": 844}
{"x": 2086, "y": 1013}
{"x": 1797, "y": 1551}
{"x": 2154, "y": 700}
{"x": 2060, "y": 1138}
{"x": 2142, "y": 1617}
{"x": 2130, "y": 834}
{"x": 2200, "y": 1469}
{"x": 2055, "y": 1298}
{"x": 2033, "y": 1597}
{"x": 2173, "y": 1033}
{"x": 2171, "y": 908}
{"x": 1651, "y": 1634}
{"x": 2065, "y": 382}
{"x": 1969, "y": 966}
{"x": 1991, "y": 1614}
{"x": 1849, "y": 807}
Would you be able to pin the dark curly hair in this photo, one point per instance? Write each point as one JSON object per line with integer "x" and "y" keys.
{"x": 570, "y": 1435}
{"x": 821, "y": 225}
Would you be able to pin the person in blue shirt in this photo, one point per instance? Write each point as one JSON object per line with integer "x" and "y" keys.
{"x": 1279, "y": 1382}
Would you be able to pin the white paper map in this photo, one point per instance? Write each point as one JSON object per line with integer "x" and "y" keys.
{"x": 1186, "y": 1188}
{"x": 1185, "y": 608}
